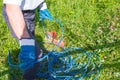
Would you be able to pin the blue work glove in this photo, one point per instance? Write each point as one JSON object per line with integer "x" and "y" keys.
{"x": 44, "y": 13}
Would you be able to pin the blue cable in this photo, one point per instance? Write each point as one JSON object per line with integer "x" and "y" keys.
{"x": 61, "y": 66}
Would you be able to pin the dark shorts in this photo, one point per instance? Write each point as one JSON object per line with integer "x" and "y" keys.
{"x": 29, "y": 16}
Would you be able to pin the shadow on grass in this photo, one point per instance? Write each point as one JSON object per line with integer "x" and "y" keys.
{"x": 4, "y": 73}
{"x": 14, "y": 54}
{"x": 14, "y": 59}
{"x": 106, "y": 45}
{"x": 39, "y": 40}
{"x": 97, "y": 46}
{"x": 113, "y": 69}
{"x": 115, "y": 65}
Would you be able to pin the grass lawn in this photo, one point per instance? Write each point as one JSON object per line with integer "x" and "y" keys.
{"x": 93, "y": 25}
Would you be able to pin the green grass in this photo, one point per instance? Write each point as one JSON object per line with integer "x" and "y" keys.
{"x": 93, "y": 25}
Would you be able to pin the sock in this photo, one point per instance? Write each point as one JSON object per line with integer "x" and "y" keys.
{"x": 24, "y": 42}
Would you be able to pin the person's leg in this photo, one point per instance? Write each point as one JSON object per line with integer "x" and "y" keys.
{"x": 29, "y": 17}
{"x": 7, "y": 21}
{"x": 17, "y": 21}
{"x": 27, "y": 44}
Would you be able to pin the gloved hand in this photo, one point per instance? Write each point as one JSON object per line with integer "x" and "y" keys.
{"x": 44, "y": 13}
